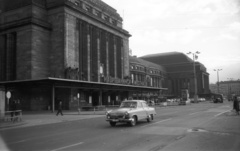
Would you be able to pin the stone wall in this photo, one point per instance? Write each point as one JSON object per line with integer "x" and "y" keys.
{"x": 56, "y": 51}
{"x": 24, "y": 46}
{"x": 40, "y": 52}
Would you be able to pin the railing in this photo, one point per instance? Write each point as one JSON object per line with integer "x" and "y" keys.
{"x": 13, "y": 116}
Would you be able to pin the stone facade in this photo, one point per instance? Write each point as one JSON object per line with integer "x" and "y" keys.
{"x": 65, "y": 39}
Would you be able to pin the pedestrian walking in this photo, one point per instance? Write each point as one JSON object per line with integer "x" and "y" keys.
{"x": 60, "y": 108}
{"x": 236, "y": 105}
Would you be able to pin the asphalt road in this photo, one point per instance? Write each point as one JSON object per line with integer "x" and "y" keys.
{"x": 202, "y": 126}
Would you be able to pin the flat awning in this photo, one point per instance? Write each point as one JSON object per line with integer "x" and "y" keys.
{"x": 68, "y": 83}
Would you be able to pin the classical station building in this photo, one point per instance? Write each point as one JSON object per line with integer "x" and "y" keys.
{"x": 148, "y": 74}
{"x": 180, "y": 73}
{"x": 75, "y": 51}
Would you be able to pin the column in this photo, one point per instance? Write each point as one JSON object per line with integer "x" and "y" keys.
{"x": 107, "y": 54}
{"x": 2, "y": 103}
{"x": 122, "y": 62}
{"x": 100, "y": 98}
{"x": 80, "y": 50}
{"x": 98, "y": 53}
{"x": 53, "y": 98}
{"x": 115, "y": 56}
{"x": 89, "y": 53}
{"x": 90, "y": 99}
{"x": 109, "y": 99}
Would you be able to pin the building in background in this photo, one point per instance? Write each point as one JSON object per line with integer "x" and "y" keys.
{"x": 229, "y": 88}
{"x": 148, "y": 74}
{"x": 180, "y": 73}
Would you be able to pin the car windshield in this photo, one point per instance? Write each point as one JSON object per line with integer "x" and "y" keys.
{"x": 128, "y": 105}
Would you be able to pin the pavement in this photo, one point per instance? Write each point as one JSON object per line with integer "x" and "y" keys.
{"x": 33, "y": 118}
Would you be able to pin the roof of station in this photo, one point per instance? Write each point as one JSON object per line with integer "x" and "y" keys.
{"x": 168, "y": 58}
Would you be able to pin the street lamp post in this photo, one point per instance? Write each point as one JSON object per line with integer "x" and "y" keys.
{"x": 194, "y": 72}
{"x": 217, "y": 78}
{"x": 229, "y": 88}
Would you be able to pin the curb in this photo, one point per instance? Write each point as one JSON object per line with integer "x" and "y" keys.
{"x": 9, "y": 125}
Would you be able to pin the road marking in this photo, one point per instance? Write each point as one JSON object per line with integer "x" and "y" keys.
{"x": 19, "y": 141}
{"x": 157, "y": 122}
{"x": 67, "y": 146}
{"x": 221, "y": 113}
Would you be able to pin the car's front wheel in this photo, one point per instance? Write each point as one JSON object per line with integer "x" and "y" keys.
{"x": 113, "y": 124}
{"x": 134, "y": 121}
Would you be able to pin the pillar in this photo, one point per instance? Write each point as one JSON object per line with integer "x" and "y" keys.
{"x": 115, "y": 56}
{"x": 2, "y": 103}
{"x": 98, "y": 55}
{"x": 100, "y": 98}
{"x": 89, "y": 53}
{"x": 107, "y": 54}
{"x": 90, "y": 99}
{"x": 53, "y": 98}
{"x": 122, "y": 61}
{"x": 109, "y": 99}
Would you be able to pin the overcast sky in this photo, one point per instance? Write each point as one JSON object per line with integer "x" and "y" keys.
{"x": 211, "y": 27}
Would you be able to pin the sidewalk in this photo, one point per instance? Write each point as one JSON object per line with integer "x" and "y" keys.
{"x": 33, "y": 118}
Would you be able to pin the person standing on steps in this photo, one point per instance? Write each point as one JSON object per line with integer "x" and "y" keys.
{"x": 59, "y": 108}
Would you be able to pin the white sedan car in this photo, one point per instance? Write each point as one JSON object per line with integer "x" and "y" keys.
{"x": 130, "y": 111}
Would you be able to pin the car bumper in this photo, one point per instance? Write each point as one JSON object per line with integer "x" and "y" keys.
{"x": 119, "y": 120}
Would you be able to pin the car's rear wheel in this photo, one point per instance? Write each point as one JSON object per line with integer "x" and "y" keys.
{"x": 134, "y": 121}
{"x": 150, "y": 118}
{"x": 113, "y": 124}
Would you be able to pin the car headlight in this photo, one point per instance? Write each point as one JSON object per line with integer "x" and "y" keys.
{"x": 107, "y": 112}
{"x": 126, "y": 115}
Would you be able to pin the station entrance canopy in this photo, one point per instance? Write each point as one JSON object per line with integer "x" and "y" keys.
{"x": 97, "y": 93}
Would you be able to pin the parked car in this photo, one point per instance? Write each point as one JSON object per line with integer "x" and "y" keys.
{"x": 184, "y": 102}
{"x": 193, "y": 101}
{"x": 218, "y": 100}
{"x": 130, "y": 111}
{"x": 201, "y": 99}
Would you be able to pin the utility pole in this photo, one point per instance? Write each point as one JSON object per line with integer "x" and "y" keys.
{"x": 195, "y": 77}
{"x": 217, "y": 78}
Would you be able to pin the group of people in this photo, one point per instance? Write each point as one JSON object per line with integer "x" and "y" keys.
{"x": 236, "y": 104}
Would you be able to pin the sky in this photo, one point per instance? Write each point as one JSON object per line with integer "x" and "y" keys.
{"x": 211, "y": 27}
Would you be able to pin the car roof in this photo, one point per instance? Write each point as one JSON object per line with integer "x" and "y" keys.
{"x": 134, "y": 101}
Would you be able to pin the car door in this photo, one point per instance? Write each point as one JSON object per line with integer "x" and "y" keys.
{"x": 140, "y": 112}
{"x": 146, "y": 109}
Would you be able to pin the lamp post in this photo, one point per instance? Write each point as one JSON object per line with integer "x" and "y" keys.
{"x": 194, "y": 72}
{"x": 217, "y": 78}
{"x": 229, "y": 88}
{"x": 78, "y": 96}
